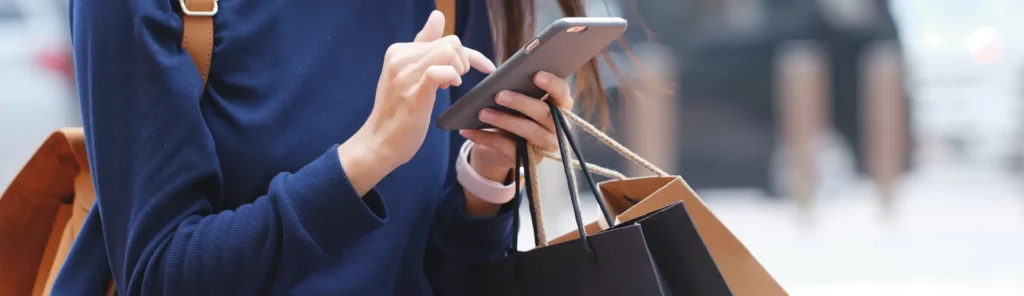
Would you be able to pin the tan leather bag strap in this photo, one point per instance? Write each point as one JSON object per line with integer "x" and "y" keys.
{"x": 197, "y": 35}
{"x": 447, "y": 7}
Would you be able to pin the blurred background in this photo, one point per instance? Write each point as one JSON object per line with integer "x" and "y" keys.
{"x": 858, "y": 147}
{"x": 37, "y": 92}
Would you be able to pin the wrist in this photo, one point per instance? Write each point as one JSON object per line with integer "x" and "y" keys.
{"x": 488, "y": 171}
{"x": 364, "y": 165}
{"x": 484, "y": 195}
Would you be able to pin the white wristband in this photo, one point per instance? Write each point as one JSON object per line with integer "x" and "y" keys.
{"x": 487, "y": 190}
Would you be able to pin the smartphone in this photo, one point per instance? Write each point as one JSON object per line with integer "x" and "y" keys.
{"x": 561, "y": 49}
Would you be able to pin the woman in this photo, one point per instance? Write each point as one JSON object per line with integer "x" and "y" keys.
{"x": 288, "y": 173}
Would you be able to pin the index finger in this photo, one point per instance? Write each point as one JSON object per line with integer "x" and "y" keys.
{"x": 479, "y": 61}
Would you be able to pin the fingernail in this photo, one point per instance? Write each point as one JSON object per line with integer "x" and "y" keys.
{"x": 486, "y": 115}
{"x": 542, "y": 78}
{"x": 504, "y": 98}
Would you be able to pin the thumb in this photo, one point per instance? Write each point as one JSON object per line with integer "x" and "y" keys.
{"x": 433, "y": 29}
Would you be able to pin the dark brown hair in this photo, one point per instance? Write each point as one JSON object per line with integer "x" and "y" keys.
{"x": 513, "y": 23}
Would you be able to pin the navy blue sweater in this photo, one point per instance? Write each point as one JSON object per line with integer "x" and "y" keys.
{"x": 236, "y": 188}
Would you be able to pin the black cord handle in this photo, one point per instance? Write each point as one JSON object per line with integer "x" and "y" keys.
{"x": 523, "y": 160}
{"x": 557, "y": 115}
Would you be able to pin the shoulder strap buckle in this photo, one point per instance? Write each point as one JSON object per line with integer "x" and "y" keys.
{"x": 200, "y": 10}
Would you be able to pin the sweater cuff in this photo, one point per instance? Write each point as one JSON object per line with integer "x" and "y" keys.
{"x": 473, "y": 238}
{"x": 332, "y": 212}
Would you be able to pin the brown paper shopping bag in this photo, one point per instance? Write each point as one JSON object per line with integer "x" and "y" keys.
{"x": 631, "y": 198}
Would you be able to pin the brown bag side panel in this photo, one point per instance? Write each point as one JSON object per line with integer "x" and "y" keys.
{"x": 57, "y": 233}
{"x": 44, "y": 280}
{"x": 636, "y": 197}
{"x": 85, "y": 196}
{"x": 744, "y": 274}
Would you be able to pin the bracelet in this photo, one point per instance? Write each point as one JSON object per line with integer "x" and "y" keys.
{"x": 485, "y": 189}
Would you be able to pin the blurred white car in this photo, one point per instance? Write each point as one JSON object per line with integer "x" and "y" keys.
{"x": 36, "y": 93}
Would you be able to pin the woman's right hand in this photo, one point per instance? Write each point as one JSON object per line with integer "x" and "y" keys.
{"x": 406, "y": 90}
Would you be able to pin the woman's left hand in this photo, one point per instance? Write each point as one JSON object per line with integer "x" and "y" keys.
{"x": 494, "y": 152}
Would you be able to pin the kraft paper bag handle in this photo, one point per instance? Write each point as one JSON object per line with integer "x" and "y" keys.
{"x": 604, "y": 138}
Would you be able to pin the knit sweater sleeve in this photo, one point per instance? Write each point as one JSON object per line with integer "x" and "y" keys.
{"x": 157, "y": 173}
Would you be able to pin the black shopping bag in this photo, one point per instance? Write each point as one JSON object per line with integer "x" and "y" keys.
{"x": 683, "y": 260}
{"x": 679, "y": 252}
{"x": 617, "y": 261}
